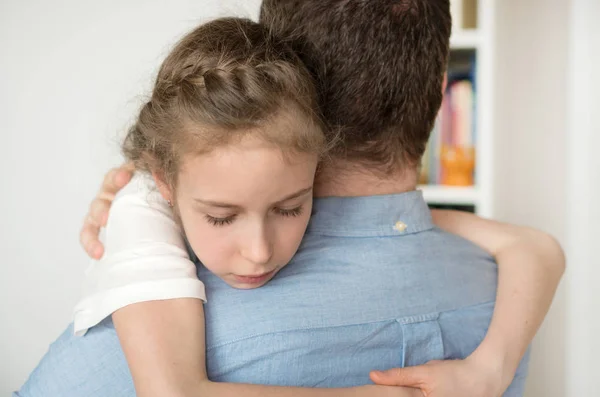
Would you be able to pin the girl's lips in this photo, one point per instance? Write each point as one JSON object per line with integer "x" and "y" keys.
{"x": 253, "y": 279}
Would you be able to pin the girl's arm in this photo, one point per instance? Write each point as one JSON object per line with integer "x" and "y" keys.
{"x": 163, "y": 342}
{"x": 530, "y": 266}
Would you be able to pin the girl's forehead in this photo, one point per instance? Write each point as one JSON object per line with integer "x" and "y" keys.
{"x": 249, "y": 175}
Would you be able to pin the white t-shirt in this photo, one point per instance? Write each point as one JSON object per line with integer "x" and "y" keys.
{"x": 145, "y": 257}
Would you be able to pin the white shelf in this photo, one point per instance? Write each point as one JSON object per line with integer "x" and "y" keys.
{"x": 438, "y": 194}
{"x": 465, "y": 39}
{"x": 481, "y": 41}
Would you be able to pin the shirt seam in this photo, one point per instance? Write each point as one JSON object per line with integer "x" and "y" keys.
{"x": 367, "y": 233}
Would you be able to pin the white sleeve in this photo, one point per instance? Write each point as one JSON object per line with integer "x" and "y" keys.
{"x": 145, "y": 258}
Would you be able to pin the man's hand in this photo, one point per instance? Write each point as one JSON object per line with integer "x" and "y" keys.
{"x": 446, "y": 378}
{"x": 97, "y": 216}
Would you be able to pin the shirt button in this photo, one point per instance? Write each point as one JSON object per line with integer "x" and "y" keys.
{"x": 400, "y": 226}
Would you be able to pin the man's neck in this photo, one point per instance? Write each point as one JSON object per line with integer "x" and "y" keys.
{"x": 351, "y": 181}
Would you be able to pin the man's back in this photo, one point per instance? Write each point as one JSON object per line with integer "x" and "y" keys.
{"x": 374, "y": 285}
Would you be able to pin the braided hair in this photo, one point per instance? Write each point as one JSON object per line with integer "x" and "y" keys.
{"x": 225, "y": 79}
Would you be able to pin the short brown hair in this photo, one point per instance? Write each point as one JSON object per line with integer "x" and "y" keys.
{"x": 225, "y": 79}
{"x": 379, "y": 65}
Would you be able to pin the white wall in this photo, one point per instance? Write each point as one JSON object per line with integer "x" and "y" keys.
{"x": 530, "y": 146}
{"x": 583, "y": 210}
{"x": 548, "y": 169}
{"x": 71, "y": 75}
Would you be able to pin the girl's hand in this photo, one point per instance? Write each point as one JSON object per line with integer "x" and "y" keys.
{"x": 467, "y": 377}
{"x": 115, "y": 180}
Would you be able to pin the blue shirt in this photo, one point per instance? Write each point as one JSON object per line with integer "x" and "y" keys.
{"x": 374, "y": 285}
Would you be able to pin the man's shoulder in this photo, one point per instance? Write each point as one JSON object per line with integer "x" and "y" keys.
{"x": 433, "y": 245}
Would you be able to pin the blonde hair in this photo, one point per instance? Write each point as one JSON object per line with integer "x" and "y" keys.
{"x": 225, "y": 79}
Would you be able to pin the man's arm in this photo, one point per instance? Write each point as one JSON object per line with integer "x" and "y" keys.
{"x": 530, "y": 265}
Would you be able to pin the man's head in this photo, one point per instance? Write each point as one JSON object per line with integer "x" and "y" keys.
{"x": 380, "y": 66}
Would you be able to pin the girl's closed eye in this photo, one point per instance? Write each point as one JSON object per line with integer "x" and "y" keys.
{"x": 289, "y": 212}
{"x": 228, "y": 220}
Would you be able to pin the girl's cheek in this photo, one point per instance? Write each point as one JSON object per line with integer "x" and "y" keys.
{"x": 216, "y": 251}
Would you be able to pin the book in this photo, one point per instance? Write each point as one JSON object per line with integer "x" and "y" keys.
{"x": 450, "y": 154}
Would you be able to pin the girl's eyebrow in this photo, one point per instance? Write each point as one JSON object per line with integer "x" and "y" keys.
{"x": 220, "y": 204}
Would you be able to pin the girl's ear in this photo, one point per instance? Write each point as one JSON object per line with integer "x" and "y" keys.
{"x": 163, "y": 186}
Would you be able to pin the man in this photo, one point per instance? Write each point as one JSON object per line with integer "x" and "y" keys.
{"x": 380, "y": 66}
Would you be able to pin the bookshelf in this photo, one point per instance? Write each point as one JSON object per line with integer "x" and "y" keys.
{"x": 472, "y": 33}
{"x": 451, "y": 195}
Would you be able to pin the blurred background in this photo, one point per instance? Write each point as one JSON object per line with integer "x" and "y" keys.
{"x": 518, "y": 116}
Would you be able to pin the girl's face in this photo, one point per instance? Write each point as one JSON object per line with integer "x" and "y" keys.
{"x": 244, "y": 208}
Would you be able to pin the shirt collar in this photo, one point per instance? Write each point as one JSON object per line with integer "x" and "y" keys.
{"x": 371, "y": 216}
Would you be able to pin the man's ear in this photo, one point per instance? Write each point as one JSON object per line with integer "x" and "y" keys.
{"x": 163, "y": 186}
